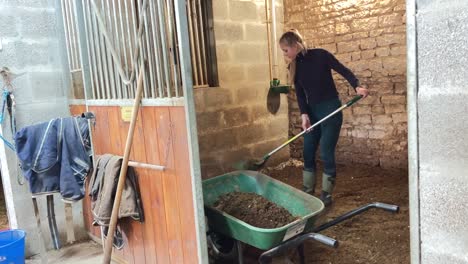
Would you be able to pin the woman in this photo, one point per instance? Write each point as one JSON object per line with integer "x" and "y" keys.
{"x": 310, "y": 70}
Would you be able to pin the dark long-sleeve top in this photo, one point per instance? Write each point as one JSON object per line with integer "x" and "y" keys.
{"x": 313, "y": 78}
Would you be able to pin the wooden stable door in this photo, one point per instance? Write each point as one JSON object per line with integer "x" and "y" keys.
{"x": 168, "y": 234}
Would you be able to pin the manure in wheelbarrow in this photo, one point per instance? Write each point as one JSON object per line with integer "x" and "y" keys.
{"x": 254, "y": 210}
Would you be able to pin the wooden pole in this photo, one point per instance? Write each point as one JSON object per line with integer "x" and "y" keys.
{"x": 123, "y": 171}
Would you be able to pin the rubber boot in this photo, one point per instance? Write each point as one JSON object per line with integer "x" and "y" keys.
{"x": 308, "y": 182}
{"x": 328, "y": 183}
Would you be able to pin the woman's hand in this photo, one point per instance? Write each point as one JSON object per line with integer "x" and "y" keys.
{"x": 305, "y": 121}
{"x": 361, "y": 90}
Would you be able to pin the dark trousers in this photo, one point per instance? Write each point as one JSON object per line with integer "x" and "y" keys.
{"x": 326, "y": 135}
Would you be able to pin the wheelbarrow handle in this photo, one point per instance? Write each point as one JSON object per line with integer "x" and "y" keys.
{"x": 326, "y": 240}
{"x": 295, "y": 242}
{"x": 388, "y": 207}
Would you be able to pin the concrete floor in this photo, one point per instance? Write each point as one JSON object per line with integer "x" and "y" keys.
{"x": 82, "y": 253}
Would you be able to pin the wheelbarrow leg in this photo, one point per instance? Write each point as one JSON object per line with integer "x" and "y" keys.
{"x": 240, "y": 252}
{"x": 300, "y": 252}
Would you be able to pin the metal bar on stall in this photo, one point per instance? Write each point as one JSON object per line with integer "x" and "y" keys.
{"x": 149, "y": 82}
{"x": 70, "y": 45}
{"x": 74, "y": 38}
{"x": 102, "y": 52}
{"x": 111, "y": 65}
{"x": 106, "y": 7}
{"x": 197, "y": 41}
{"x": 161, "y": 49}
{"x": 67, "y": 37}
{"x": 135, "y": 37}
{"x": 73, "y": 46}
{"x": 124, "y": 92}
{"x": 124, "y": 49}
{"x": 157, "y": 62}
{"x": 105, "y": 61}
{"x": 94, "y": 53}
{"x": 177, "y": 70}
{"x": 150, "y": 59}
{"x": 178, "y": 78}
{"x": 101, "y": 90}
{"x": 71, "y": 33}
{"x": 174, "y": 48}
{"x": 119, "y": 84}
{"x": 164, "y": 48}
{"x": 131, "y": 86}
{"x": 139, "y": 35}
{"x": 90, "y": 47}
{"x": 203, "y": 48}
{"x": 83, "y": 45}
{"x": 139, "y": 21}
{"x": 192, "y": 45}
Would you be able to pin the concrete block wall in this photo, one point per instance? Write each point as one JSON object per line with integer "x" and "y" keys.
{"x": 233, "y": 120}
{"x": 30, "y": 34}
{"x": 442, "y": 141}
{"x": 369, "y": 37}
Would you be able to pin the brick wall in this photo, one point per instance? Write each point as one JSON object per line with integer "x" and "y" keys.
{"x": 233, "y": 121}
{"x": 368, "y": 36}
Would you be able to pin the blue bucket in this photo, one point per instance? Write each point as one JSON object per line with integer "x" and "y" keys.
{"x": 12, "y": 246}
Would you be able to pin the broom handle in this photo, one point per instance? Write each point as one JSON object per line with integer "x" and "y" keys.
{"x": 348, "y": 104}
{"x": 123, "y": 171}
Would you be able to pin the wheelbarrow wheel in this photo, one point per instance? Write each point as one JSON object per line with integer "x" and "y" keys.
{"x": 221, "y": 249}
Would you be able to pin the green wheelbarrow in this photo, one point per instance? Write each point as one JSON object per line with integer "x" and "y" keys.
{"x": 226, "y": 233}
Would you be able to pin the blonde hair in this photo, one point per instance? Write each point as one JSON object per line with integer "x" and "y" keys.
{"x": 290, "y": 38}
